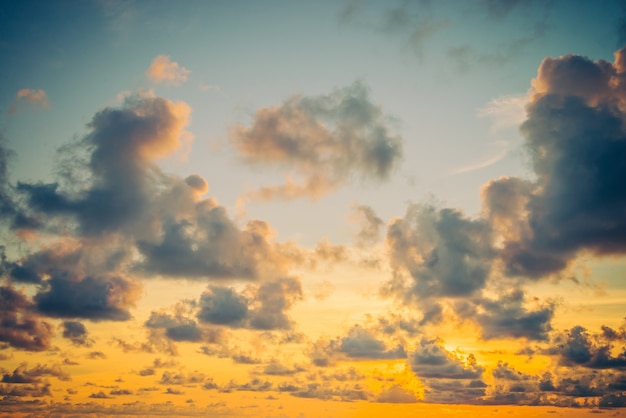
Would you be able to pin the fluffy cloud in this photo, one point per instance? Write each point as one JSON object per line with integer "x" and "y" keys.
{"x": 264, "y": 307}
{"x": 575, "y": 136}
{"x": 594, "y": 351}
{"x": 360, "y": 343}
{"x": 114, "y": 197}
{"x": 325, "y": 140}
{"x": 164, "y": 70}
{"x": 445, "y": 253}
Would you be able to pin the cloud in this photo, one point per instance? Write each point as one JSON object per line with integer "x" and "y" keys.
{"x": 76, "y": 332}
{"x": 263, "y": 307}
{"x": 164, "y": 70}
{"x": 272, "y": 301}
{"x": 445, "y": 253}
{"x": 508, "y": 316}
{"x": 34, "y": 98}
{"x": 23, "y": 375}
{"x": 576, "y": 141}
{"x": 449, "y": 377}
{"x": 122, "y": 145}
{"x": 431, "y": 360}
{"x": 179, "y": 328}
{"x": 594, "y": 351}
{"x": 223, "y": 306}
{"x": 20, "y": 327}
{"x": 95, "y": 298}
{"x": 397, "y": 394}
{"x": 325, "y": 140}
{"x": 360, "y": 343}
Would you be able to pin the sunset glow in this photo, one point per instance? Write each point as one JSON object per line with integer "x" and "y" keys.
{"x": 313, "y": 209}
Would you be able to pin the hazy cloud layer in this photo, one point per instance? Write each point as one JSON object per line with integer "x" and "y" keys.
{"x": 324, "y": 140}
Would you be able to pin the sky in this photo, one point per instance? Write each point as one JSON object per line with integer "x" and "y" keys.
{"x": 303, "y": 209}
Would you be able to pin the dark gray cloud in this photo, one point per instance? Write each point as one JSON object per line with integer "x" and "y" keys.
{"x": 595, "y": 351}
{"x": 223, "y": 306}
{"x": 95, "y": 298}
{"x": 445, "y": 253}
{"x": 262, "y": 307}
{"x": 360, "y": 343}
{"x": 20, "y": 327}
{"x": 508, "y": 316}
{"x": 575, "y": 137}
{"x": 178, "y": 327}
{"x": 34, "y": 391}
{"x": 325, "y": 140}
{"x": 76, "y": 332}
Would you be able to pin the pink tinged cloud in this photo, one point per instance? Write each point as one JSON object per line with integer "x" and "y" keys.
{"x": 164, "y": 70}
{"x": 33, "y": 97}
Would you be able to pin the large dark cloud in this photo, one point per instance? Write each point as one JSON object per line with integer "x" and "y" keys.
{"x": 115, "y": 194}
{"x": 576, "y": 140}
{"x": 326, "y": 140}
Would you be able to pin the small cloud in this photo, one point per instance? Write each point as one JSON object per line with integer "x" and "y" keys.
{"x": 34, "y": 97}
{"x": 164, "y": 70}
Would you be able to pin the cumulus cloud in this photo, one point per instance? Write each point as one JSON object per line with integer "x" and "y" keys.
{"x": 575, "y": 136}
{"x": 510, "y": 316}
{"x": 595, "y": 351}
{"x": 445, "y": 253}
{"x": 325, "y": 140}
{"x": 114, "y": 197}
{"x": 360, "y": 343}
{"x": 164, "y": 70}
